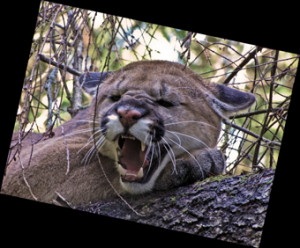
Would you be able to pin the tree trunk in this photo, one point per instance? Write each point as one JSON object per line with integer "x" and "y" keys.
{"x": 232, "y": 209}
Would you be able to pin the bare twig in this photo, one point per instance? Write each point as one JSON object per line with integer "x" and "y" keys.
{"x": 63, "y": 201}
{"x": 257, "y": 112}
{"x": 242, "y": 64}
{"x": 270, "y": 108}
{"x": 25, "y": 179}
{"x": 207, "y": 47}
{"x": 115, "y": 190}
{"x": 247, "y": 131}
{"x": 60, "y": 66}
{"x": 77, "y": 64}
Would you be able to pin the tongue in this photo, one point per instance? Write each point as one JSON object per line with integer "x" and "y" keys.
{"x": 132, "y": 158}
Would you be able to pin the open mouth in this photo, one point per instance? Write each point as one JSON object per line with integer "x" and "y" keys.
{"x": 137, "y": 162}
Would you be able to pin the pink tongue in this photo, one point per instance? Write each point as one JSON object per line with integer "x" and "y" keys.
{"x": 132, "y": 157}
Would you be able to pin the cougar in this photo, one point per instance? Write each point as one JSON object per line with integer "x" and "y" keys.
{"x": 152, "y": 125}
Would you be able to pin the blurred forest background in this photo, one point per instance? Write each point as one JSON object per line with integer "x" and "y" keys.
{"x": 69, "y": 41}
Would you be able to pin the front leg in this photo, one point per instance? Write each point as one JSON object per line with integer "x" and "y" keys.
{"x": 202, "y": 164}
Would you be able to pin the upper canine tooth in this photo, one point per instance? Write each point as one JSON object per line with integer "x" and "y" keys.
{"x": 122, "y": 170}
{"x": 143, "y": 146}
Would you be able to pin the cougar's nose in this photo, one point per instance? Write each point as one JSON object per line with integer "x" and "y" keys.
{"x": 128, "y": 116}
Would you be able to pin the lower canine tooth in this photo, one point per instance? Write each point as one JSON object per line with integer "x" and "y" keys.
{"x": 140, "y": 173}
{"x": 143, "y": 146}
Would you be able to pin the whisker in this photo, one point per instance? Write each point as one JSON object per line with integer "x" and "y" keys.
{"x": 189, "y": 136}
{"x": 180, "y": 122}
{"x": 159, "y": 152}
{"x": 170, "y": 155}
{"x": 86, "y": 156}
{"x": 95, "y": 133}
{"x": 192, "y": 156}
{"x": 91, "y": 152}
{"x": 147, "y": 138}
{"x": 81, "y": 131}
{"x": 100, "y": 143}
{"x": 151, "y": 158}
{"x": 91, "y": 139}
{"x": 172, "y": 132}
{"x": 87, "y": 121}
{"x": 79, "y": 151}
{"x": 148, "y": 150}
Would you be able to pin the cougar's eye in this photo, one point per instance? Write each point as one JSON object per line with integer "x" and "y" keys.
{"x": 165, "y": 103}
{"x": 114, "y": 98}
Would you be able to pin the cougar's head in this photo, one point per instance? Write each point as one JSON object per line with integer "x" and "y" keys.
{"x": 148, "y": 114}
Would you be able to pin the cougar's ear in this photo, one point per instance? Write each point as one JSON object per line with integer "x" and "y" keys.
{"x": 90, "y": 80}
{"x": 225, "y": 101}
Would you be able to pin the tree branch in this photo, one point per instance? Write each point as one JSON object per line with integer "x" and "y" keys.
{"x": 257, "y": 112}
{"x": 247, "y": 131}
{"x": 60, "y": 66}
{"x": 228, "y": 208}
{"x": 242, "y": 64}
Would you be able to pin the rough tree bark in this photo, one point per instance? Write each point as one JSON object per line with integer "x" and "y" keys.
{"x": 232, "y": 209}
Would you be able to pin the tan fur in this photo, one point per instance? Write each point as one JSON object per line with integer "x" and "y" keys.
{"x": 54, "y": 166}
